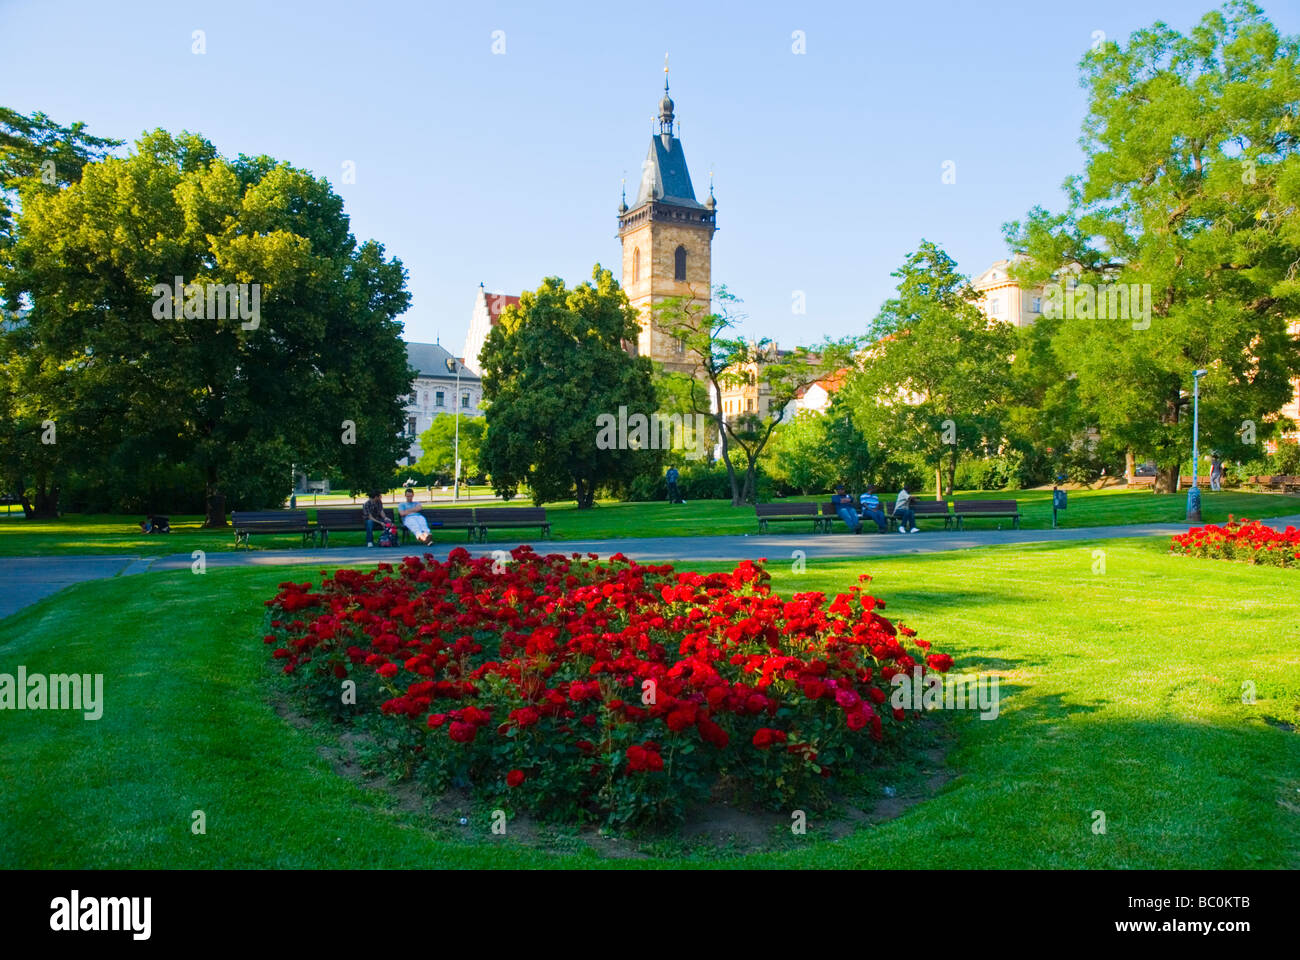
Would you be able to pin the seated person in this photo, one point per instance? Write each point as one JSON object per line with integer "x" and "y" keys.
{"x": 375, "y": 516}
{"x": 844, "y": 506}
{"x": 904, "y": 513}
{"x": 871, "y": 508}
{"x": 412, "y": 520}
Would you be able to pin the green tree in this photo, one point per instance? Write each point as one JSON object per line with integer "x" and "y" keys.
{"x": 934, "y": 382}
{"x": 438, "y": 444}
{"x": 554, "y": 368}
{"x": 1190, "y": 189}
{"x": 798, "y": 455}
{"x": 723, "y": 360}
{"x": 302, "y": 364}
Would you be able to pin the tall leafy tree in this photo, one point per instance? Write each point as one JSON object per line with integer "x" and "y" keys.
{"x": 934, "y": 382}
{"x": 306, "y": 367}
{"x": 724, "y": 359}
{"x": 438, "y": 446}
{"x": 1190, "y": 189}
{"x": 553, "y": 367}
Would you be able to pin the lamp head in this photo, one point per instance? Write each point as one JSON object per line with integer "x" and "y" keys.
{"x": 1199, "y": 373}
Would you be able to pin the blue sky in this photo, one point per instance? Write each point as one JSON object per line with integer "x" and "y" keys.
{"x": 504, "y": 168}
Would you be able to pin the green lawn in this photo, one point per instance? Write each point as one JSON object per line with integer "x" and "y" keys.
{"x": 116, "y": 534}
{"x": 1121, "y": 692}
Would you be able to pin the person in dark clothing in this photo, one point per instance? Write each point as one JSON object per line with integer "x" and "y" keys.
{"x": 847, "y": 510}
{"x": 375, "y": 516}
{"x": 671, "y": 477}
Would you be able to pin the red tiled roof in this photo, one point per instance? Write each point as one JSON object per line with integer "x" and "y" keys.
{"x": 496, "y": 302}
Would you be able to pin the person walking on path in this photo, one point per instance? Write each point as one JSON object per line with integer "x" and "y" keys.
{"x": 845, "y": 507}
{"x": 904, "y": 513}
{"x": 1216, "y": 473}
{"x": 871, "y": 508}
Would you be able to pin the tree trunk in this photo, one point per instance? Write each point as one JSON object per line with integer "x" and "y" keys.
{"x": 938, "y": 482}
{"x": 1167, "y": 479}
{"x": 1130, "y": 464}
{"x": 215, "y": 517}
{"x": 46, "y": 506}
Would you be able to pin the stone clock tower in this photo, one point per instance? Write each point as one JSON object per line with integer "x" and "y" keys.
{"x": 667, "y": 238}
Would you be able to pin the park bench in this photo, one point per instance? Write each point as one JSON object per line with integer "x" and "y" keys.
{"x": 329, "y": 519}
{"x": 926, "y": 510}
{"x": 781, "y": 512}
{"x": 830, "y": 516}
{"x": 1139, "y": 483}
{"x": 436, "y": 519}
{"x": 1185, "y": 482}
{"x": 510, "y": 518}
{"x": 250, "y": 522}
{"x": 983, "y": 509}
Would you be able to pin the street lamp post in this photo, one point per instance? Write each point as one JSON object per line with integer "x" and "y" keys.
{"x": 454, "y": 367}
{"x": 1194, "y": 494}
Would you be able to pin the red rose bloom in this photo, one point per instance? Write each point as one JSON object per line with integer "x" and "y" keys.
{"x": 939, "y": 661}
{"x": 462, "y": 732}
{"x": 766, "y": 736}
{"x": 514, "y": 778}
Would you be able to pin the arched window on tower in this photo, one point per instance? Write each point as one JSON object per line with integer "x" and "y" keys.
{"x": 636, "y": 264}
{"x": 679, "y": 264}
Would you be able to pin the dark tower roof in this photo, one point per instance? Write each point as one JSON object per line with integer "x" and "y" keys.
{"x": 664, "y": 175}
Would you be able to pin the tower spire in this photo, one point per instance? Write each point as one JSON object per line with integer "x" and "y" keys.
{"x": 666, "y": 105}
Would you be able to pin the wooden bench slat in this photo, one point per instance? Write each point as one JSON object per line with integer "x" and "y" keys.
{"x": 508, "y": 518}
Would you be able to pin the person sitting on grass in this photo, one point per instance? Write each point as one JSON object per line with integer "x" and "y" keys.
{"x": 375, "y": 517}
{"x": 871, "y": 508}
{"x": 904, "y": 513}
{"x": 412, "y": 519}
{"x": 844, "y": 506}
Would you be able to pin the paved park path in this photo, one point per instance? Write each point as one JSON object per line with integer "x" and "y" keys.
{"x": 28, "y": 579}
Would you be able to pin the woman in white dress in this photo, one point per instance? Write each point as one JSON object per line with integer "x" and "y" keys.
{"x": 412, "y": 519}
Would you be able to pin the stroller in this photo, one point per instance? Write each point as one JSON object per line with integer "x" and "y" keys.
{"x": 389, "y": 537}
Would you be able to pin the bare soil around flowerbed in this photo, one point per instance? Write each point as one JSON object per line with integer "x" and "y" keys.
{"x": 717, "y": 828}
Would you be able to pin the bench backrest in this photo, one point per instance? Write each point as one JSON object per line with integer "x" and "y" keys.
{"x": 986, "y": 506}
{"x": 785, "y": 509}
{"x": 921, "y": 507}
{"x": 452, "y": 516}
{"x": 510, "y": 515}
{"x": 335, "y": 518}
{"x": 268, "y": 518}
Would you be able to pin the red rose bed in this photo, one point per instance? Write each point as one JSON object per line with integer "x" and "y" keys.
{"x": 610, "y": 691}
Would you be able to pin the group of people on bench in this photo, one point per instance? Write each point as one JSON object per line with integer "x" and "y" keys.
{"x": 869, "y": 507}
{"x": 409, "y": 511}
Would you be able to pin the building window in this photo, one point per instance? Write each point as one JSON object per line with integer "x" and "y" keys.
{"x": 1036, "y": 305}
{"x": 464, "y": 400}
{"x": 995, "y": 306}
{"x": 410, "y": 426}
{"x": 412, "y": 400}
{"x": 749, "y": 406}
{"x": 437, "y": 399}
{"x": 681, "y": 346}
{"x": 636, "y": 264}
{"x": 679, "y": 264}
